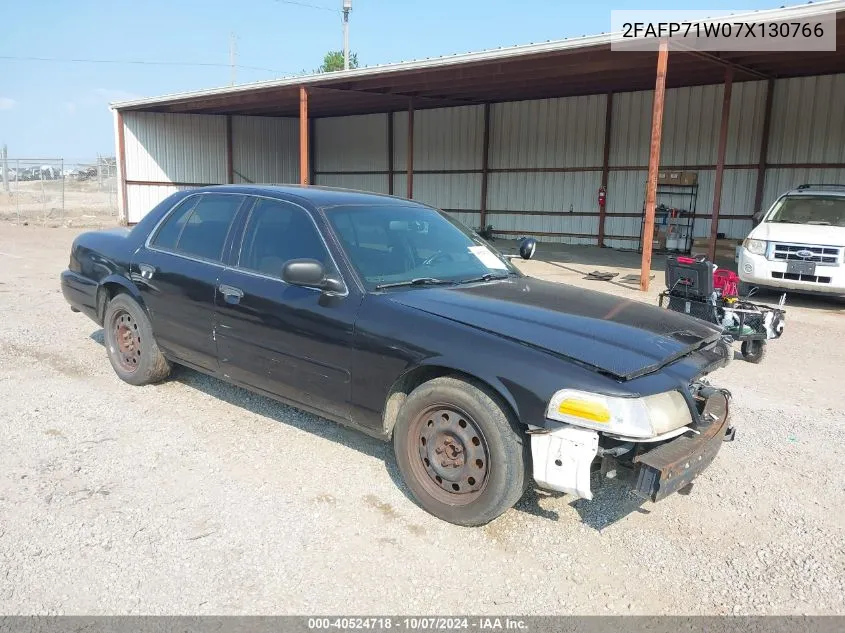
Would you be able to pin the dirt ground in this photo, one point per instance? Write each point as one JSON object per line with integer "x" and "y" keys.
{"x": 196, "y": 497}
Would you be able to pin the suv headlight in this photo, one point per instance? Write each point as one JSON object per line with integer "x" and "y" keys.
{"x": 632, "y": 417}
{"x": 755, "y": 247}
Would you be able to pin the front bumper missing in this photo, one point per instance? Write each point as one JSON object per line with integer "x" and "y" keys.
{"x": 673, "y": 465}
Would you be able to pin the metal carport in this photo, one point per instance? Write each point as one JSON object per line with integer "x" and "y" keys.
{"x": 521, "y": 138}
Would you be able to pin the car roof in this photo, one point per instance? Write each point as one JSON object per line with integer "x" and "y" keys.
{"x": 318, "y": 196}
{"x": 817, "y": 190}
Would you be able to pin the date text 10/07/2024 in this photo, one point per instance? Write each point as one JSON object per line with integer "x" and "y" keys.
{"x": 418, "y": 623}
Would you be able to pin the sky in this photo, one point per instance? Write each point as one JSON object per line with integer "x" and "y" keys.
{"x": 59, "y": 108}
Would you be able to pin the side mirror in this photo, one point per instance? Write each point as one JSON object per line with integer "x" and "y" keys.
{"x": 757, "y": 218}
{"x": 527, "y": 247}
{"x": 311, "y": 274}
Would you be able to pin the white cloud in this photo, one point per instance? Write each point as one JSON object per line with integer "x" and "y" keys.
{"x": 7, "y": 104}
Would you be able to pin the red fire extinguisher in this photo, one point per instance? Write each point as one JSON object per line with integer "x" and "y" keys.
{"x": 602, "y": 197}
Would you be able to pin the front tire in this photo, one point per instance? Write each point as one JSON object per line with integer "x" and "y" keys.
{"x": 460, "y": 451}
{"x": 132, "y": 350}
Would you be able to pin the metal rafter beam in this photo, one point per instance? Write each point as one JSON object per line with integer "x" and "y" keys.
{"x": 398, "y": 95}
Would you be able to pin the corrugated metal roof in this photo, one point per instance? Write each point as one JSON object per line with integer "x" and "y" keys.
{"x": 328, "y": 80}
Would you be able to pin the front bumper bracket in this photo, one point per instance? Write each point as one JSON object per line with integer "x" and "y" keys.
{"x": 671, "y": 466}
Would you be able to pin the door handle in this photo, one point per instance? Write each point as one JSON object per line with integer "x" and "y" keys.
{"x": 230, "y": 293}
{"x": 147, "y": 270}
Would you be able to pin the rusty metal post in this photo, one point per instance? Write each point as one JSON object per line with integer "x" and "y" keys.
{"x": 654, "y": 162}
{"x": 605, "y": 165}
{"x": 720, "y": 163}
{"x": 390, "y": 153}
{"x": 230, "y": 166}
{"x": 303, "y": 136}
{"x": 764, "y": 146}
{"x": 312, "y": 154}
{"x": 485, "y": 165}
{"x": 123, "y": 202}
{"x": 410, "y": 148}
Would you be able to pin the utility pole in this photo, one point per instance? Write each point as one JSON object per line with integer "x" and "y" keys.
{"x": 347, "y": 7}
{"x": 233, "y": 54}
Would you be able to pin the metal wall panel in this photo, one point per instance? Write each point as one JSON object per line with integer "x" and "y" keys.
{"x": 630, "y": 129}
{"x": 691, "y": 122}
{"x": 265, "y": 149}
{"x": 142, "y": 198}
{"x": 558, "y": 223}
{"x": 400, "y": 185}
{"x": 780, "y": 180}
{"x": 353, "y": 143}
{"x": 543, "y": 191}
{"x": 808, "y": 120}
{"x": 376, "y": 183}
{"x": 565, "y": 132}
{"x": 469, "y": 219}
{"x": 449, "y": 191}
{"x": 187, "y": 148}
{"x": 745, "y": 123}
{"x": 690, "y": 126}
{"x": 444, "y": 138}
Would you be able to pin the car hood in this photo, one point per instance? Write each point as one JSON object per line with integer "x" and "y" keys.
{"x": 811, "y": 234}
{"x": 621, "y": 337}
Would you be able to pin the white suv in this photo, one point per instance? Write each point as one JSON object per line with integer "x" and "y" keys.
{"x": 799, "y": 243}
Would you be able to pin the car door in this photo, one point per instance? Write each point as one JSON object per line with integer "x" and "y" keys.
{"x": 289, "y": 341}
{"x": 176, "y": 272}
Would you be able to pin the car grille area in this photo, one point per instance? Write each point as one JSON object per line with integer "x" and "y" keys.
{"x": 796, "y": 277}
{"x": 829, "y": 255}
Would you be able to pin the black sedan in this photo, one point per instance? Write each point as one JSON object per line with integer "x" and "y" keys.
{"x": 387, "y": 315}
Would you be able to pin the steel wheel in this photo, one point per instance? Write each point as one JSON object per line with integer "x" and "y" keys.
{"x": 127, "y": 337}
{"x": 448, "y": 453}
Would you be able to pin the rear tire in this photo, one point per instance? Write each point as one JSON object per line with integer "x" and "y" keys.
{"x": 131, "y": 347}
{"x": 754, "y": 351}
{"x": 461, "y": 451}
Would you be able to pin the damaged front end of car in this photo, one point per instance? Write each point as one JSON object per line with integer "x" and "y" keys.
{"x": 662, "y": 441}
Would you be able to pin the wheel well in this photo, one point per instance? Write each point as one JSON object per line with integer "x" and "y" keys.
{"x": 106, "y": 293}
{"x": 409, "y": 381}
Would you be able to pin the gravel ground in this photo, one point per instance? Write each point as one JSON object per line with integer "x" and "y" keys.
{"x": 197, "y": 497}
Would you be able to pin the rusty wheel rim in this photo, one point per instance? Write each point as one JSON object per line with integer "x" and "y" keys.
{"x": 127, "y": 341}
{"x": 448, "y": 454}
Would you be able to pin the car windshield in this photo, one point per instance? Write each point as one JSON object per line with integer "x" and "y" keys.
{"x": 820, "y": 210}
{"x": 399, "y": 244}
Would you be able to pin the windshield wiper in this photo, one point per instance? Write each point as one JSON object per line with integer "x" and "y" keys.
{"x": 417, "y": 281}
{"x": 486, "y": 277}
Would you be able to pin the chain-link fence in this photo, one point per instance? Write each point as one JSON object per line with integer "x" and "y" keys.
{"x": 55, "y": 192}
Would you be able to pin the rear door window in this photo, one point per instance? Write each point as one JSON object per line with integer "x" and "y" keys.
{"x": 201, "y": 232}
{"x": 169, "y": 232}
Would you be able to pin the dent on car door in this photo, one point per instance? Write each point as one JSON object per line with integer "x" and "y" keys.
{"x": 177, "y": 273}
{"x": 290, "y": 341}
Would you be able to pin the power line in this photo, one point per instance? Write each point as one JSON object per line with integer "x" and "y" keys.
{"x": 130, "y": 61}
{"x": 307, "y": 4}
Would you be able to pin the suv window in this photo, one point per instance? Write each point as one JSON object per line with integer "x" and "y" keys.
{"x": 277, "y": 232}
{"x": 200, "y": 231}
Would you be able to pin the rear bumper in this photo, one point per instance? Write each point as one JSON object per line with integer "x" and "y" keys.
{"x": 673, "y": 465}
{"x": 80, "y": 292}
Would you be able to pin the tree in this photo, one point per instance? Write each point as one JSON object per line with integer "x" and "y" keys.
{"x": 334, "y": 61}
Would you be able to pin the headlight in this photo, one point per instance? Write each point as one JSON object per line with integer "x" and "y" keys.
{"x": 755, "y": 247}
{"x": 631, "y": 417}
